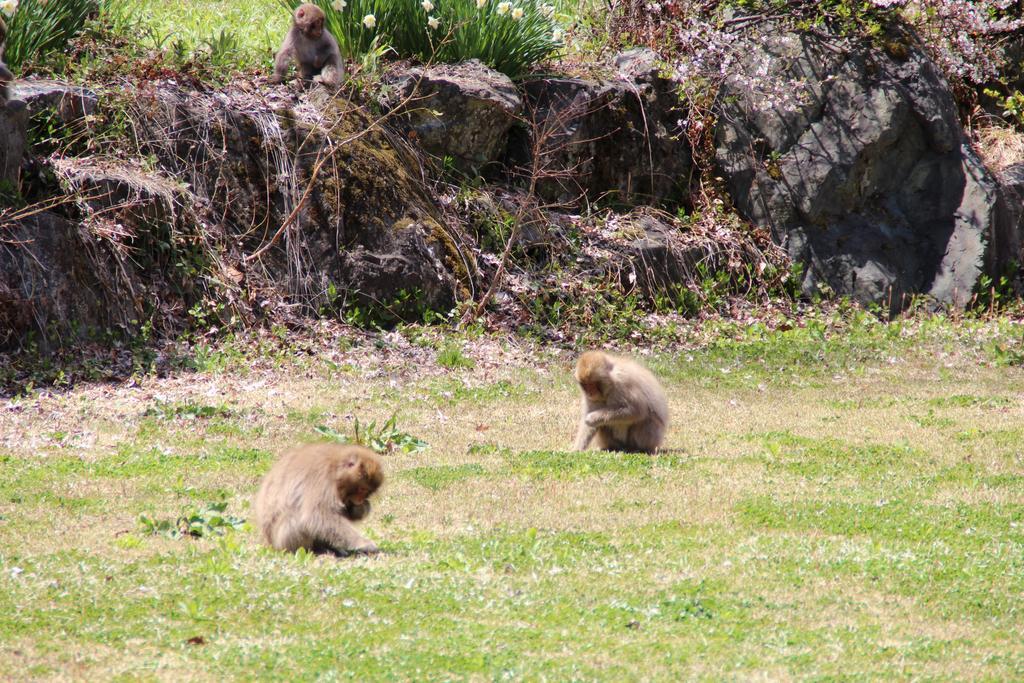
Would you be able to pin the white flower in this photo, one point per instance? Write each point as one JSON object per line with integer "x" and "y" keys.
{"x": 8, "y": 7}
{"x": 504, "y": 7}
{"x": 547, "y": 10}
{"x": 432, "y": 22}
{"x": 517, "y": 13}
{"x": 557, "y": 35}
{"x": 480, "y": 4}
{"x": 339, "y": 5}
{"x": 369, "y": 21}
{"x": 427, "y": 5}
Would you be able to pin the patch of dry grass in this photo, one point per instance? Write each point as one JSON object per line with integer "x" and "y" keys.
{"x": 1000, "y": 145}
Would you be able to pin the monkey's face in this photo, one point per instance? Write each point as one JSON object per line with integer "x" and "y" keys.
{"x": 310, "y": 22}
{"x": 314, "y": 29}
{"x": 358, "y": 495}
{"x": 592, "y": 390}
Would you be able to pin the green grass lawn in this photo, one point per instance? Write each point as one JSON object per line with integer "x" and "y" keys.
{"x": 832, "y": 504}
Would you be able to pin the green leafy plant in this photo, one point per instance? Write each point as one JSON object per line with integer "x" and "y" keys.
{"x": 509, "y": 36}
{"x": 993, "y": 293}
{"x": 41, "y": 26}
{"x": 209, "y": 520}
{"x": 187, "y": 410}
{"x": 1012, "y": 104}
{"x": 385, "y": 438}
{"x": 224, "y": 48}
{"x": 451, "y": 356}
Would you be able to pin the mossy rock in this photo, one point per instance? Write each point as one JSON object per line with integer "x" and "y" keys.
{"x": 366, "y": 234}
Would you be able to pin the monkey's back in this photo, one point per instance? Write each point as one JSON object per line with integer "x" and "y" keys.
{"x": 300, "y": 480}
{"x": 641, "y": 388}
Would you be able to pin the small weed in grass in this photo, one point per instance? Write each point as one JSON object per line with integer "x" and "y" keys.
{"x": 577, "y": 465}
{"x": 829, "y": 458}
{"x": 968, "y": 401}
{"x": 459, "y": 392}
{"x": 452, "y": 357}
{"x": 931, "y": 420}
{"x": 386, "y": 438}
{"x": 443, "y": 476}
{"x": 186, "y": 411}
{"x": 206, "y": 521}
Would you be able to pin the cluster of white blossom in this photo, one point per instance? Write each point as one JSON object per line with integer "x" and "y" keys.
{"x": 712, "y": 56}
{"x": 370, "y": 21}
{"x": 963, "y": 35}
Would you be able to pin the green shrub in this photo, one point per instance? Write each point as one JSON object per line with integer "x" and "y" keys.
{"x": 385, "y": 438}
{"x": 207, "y": 521}
{"x": 41, "y": 26}
{"x": 507, "y": 36}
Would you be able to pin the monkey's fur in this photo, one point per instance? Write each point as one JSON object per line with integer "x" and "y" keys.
{"x": 623, "y": 407}
{"x": 312, "y": 494}
{"x": 5, "y": 74}
{"x": 312, "y": 47}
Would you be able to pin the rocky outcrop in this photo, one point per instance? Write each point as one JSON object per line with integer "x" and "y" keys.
{"x": 660, "y": 255}
{"x": 13, "y": 140}
{"x": 615, "y": 140}
{"x": 867, "y": 178}
{"x": 130, "y": 251}
{"x": 58, "y": 280}
{"x": 657, "y": 256}
{"x": 358, "y": 223}
{"x": 460, "y": 111}
{"x": 249, "y": 199}
{"x": 67, "y": 102}
{"x": 1011, "y": 182}
{"x": 299, "y": 202}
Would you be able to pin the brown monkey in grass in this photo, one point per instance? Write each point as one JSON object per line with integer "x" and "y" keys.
{"x": 623, "y": 407}
{"x": 312, "y": 47}
{"x": 312, "y": 494}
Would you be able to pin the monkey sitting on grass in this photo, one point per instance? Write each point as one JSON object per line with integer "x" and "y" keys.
{"x": 312, "y": 47}
{"x": 622, "y": 406}
{"x": 311, "y": 496}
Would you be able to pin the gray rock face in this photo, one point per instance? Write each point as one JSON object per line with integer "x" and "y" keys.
{"x": 230, "y": 169}
{"x": 13, "y": 139}
{"x": 464, "y": 111}
{"x": 50, "y": 280}
{"x": 1011, "y": 183}
{"x": 69, "y": 102}
{"x": 870, "y": 181}
{"x": 124, "y": 254}
{"x": 657, "y": 258}
{"x": 616, "y": 139}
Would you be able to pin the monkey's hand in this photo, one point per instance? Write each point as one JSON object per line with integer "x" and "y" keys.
{"x": 609, "y": 417}
{"x": 356, "y": 512}
{"x": 583, "y": 438}
{"x": 368, "y": 548}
